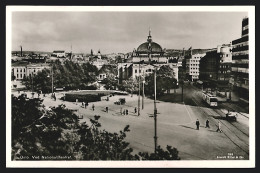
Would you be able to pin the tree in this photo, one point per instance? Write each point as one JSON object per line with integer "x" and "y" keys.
{"x": 110, "y": 82}
{"x": 70, "y": 75}
{"x": 165, "y": 80}
{"x": 58, "y": 132}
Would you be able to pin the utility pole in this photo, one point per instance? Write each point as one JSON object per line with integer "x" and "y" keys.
{"x": 52, "y": 79}
{"x": 32, "y": 82}
{"x": 138, "y": 111}
{"x": 182, "y": 84}
{"x": 155, "y": 115}
{"x": 143, "y": 96}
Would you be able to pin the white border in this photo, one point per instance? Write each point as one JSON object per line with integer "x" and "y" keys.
{"x": 137, "y": 164}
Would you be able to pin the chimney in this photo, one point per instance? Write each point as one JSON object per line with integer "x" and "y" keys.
{"x": 21, "y": 51}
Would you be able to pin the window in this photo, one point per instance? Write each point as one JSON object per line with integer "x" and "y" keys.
{"x": 24, "y": 70}
{"x": 21, "y": 75}
{"x": 227, "y": 55}
{"x": 21, "y": 70}
{"x": 17, "y": 70}
{"x": 135, "y": 71}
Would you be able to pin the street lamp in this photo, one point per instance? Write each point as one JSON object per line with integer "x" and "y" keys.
{"x": 155, "y": 114}
{"x": 51, "y": 79}
{"x": 143, "y": 95}
{"x": 138, "y": 111}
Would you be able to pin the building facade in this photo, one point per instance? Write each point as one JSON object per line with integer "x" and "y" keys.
{"x": 215, "y": 67}
{"x": 240, "y": 62}
{"x": 59, "y": 53}
{"x": 21, "y": 70}
{"x": 193, "y": 66}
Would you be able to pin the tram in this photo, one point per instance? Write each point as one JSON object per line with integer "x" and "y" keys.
{"x": 211, "y": 100}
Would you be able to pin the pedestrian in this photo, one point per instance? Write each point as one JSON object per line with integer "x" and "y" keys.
{"x": 54, "y": 98}
{"x": 44, "y": 95}
{"x": 135, "y": 110}
{"x": 207, "y": 124}
{"x": 85, "y": 105}
{"x": 198, "y": 124}
{"x": 93, "y": 107}
{"x": 107, "y": 109}
{"x": 82, "y": 104}
{"x": 126, "y": 111}
{"x": 219, "y": 127}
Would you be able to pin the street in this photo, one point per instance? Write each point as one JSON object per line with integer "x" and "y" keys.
{"x": 175, "y": 125}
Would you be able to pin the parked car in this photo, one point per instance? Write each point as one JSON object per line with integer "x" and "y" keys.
{"x": 120, "y": 101}
{"x": 231, "y": 116}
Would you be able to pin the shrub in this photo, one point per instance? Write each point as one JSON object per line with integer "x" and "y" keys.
{"x": 82, "y": 98}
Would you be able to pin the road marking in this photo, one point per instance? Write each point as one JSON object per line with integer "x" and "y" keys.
{"x": 188, "y": 113}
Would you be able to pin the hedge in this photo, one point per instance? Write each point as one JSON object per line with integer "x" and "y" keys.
{"x": 82, "y": 98}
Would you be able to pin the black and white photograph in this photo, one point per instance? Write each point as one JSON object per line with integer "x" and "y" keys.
{"x": 130, "y": 86}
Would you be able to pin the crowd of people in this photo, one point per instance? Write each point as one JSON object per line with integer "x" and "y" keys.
{"x": 207, "y": 125}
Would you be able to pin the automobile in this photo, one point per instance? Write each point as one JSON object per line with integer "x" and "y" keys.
{"x": 231, "y": 116}
{"x": 120, "y": 101}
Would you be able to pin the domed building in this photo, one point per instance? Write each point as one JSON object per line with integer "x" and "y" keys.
{"x": 149, "y": 52}
{"x": 143, "y": 60}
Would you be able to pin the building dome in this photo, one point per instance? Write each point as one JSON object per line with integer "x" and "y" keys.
{"x": 149, "y": 47}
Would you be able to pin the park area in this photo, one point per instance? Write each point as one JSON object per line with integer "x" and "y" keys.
{"x": 175, "y": 126}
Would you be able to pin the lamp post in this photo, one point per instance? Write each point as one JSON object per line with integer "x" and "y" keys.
{"x": 155, "y": 114}
{"x": 138, "y": 111}
{"x": 51, "y": 79}
{"x": 143, "y": 95}
{"x": 182, "y": 82}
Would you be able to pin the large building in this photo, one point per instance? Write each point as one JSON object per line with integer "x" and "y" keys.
{"x": 215, "y": 67}
{"x": 143, "y": 60}
{"x": 23, "y": 69}
{"x": 193, "y": 66}
{"x": 240, "y": 62}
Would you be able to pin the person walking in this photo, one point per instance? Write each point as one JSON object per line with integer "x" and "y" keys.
{"x": 85, "y": 105}
{"x": 107, "y": 109}
{"x": 198, "y": 124}
{"x": 219, "y": 127}
{"x": 126, "y": 111}
{"x": 135, "y": 110}
{"x": 207, "y": 124}
{"x": 93, "y": 107}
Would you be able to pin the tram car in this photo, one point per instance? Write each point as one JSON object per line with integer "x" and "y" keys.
{"x": 211, "y": 100}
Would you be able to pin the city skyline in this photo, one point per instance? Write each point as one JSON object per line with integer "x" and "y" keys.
{"x": 121, "y": 32}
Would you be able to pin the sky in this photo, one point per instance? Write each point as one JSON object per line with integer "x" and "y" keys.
{"x": 121, "y": 32}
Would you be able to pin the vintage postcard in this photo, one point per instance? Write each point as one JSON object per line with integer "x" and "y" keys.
{"x": 130, "y": 86}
